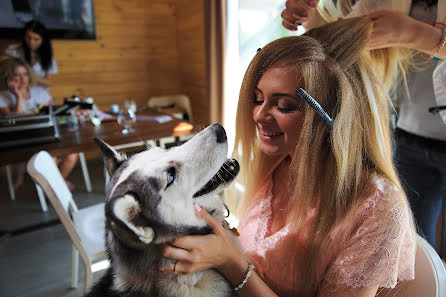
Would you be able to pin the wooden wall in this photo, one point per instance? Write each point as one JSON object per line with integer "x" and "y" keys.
{"x": 143, "y": 48}
{"x": 193, "y": 56}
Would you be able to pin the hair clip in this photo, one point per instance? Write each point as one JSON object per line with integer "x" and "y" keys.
{"x": 258, "y": 50}
{"x": 316, "y": 106}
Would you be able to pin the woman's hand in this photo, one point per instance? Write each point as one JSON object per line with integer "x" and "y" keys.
{"x": 13, "y": 86}
{"x": 297, "y": 12}
{"x": 391, "y": 28}
{"x": 46, "y": 81}
{"x": 198, "y": 252}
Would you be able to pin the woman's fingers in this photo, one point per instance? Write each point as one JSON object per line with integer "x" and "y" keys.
{"x": 171, "y": 251}
{"x": 210, "y": 220}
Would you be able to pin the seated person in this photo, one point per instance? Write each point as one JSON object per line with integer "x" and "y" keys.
{"x": 324, "y": 211}
{"x": 21, "y": 96}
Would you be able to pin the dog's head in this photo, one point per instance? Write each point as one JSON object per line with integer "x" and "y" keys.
{"x": 151, "y": 195}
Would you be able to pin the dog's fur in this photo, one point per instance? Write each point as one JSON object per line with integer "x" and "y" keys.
{"x": 150, "y": 201}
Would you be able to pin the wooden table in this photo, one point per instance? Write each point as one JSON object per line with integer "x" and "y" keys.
{"x": 109, "y": 131}
{"x": 81, "y": 141}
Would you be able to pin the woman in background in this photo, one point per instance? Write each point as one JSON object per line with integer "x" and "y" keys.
{"x": 37, "y": 51}
{"x": 324, "y": 211}
{"x": 20, "y": 95}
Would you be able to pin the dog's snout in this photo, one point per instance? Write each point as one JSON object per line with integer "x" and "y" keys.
{"x": 219, "y": 132}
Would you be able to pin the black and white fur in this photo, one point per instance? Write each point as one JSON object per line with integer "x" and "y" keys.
{"x": 150, "y": 201}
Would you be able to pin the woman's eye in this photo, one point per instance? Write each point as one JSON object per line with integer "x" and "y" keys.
{"x": 258, "y": 101}
{"x": 171, "y": 172}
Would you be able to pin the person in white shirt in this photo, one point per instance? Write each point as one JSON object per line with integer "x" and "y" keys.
{"x": 20, "y": 95}
{"x": 37, "y": 51}
{"x": 420, "y": 135}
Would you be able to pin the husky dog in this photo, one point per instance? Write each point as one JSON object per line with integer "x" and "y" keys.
{"x": 150, "y": 201}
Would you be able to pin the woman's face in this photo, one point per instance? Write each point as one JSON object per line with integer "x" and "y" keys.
{"x": 21, "y": 76}
{"x": 33, "y": 40}
{"x": 278, "y": 111}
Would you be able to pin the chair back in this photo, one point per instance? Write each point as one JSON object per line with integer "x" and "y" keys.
{"x": 180, "y": 100}
{"x": 43, "y": 170}
{"x": 430, "y": 275}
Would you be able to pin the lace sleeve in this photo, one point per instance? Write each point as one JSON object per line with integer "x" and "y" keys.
{"x": 381, "y": 248}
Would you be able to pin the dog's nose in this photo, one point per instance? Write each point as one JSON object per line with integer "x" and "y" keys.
{"x": 219, "y": 132}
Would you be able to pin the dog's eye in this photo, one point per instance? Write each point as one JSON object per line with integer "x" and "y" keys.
{"x": 170, "y": 176}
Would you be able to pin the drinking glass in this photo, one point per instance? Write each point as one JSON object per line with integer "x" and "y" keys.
{"x": 130, "y": 105}
{"x": 126, "y": 118}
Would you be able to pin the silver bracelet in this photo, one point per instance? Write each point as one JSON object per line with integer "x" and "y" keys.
{"x": 247, "y": 275}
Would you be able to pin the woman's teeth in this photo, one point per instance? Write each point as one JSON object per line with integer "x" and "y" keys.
{"x": 270, "y": 134}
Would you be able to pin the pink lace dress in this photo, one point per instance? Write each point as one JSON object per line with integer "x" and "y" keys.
{"x": 379, "y": 249}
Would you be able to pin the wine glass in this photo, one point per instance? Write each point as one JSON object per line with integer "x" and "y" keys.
{"x": 130, "y": 105}
{"x": 126, "y": 118}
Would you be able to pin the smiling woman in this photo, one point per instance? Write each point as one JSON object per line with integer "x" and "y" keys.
{"x": 324, "y": 213}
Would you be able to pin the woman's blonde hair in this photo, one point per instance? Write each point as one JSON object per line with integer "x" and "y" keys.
{"x": 393, "y": 62}
{"x": 330, "y": 168}
{"x": 8, "y": 65}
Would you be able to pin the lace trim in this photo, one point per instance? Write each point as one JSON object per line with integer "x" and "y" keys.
{"x": 381, "y": 251}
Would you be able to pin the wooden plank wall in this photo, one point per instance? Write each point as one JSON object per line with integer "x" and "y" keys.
{"x": 193, "y": 57}
{"x": 143, "y": 48}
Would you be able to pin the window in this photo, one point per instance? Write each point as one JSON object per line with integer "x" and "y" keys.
{"x": 251, "y": 25}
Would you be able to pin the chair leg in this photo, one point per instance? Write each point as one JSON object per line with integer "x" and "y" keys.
{"x": 85, "y": 171}
{"x": 75, "y": 267}
{"x": 88, "y": 278}
{"x": 41, "y": 198}
{"x": 10, "y": 184}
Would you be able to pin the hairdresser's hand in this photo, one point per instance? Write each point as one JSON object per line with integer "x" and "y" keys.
{"x": 198, "y": 252}
{"x": 297, "y": 12}
{"x": 391, "y": 28}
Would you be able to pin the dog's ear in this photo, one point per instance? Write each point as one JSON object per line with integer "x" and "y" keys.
{"x": 126, "y": 221}
{"x": 112, "y": 158}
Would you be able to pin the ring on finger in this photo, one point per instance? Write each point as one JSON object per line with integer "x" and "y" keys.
{"x": 175, "y": 266}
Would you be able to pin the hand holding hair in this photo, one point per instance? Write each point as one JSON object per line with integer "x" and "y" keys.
{"x": 297, "y": 12}
{"x": 392, "y": 28}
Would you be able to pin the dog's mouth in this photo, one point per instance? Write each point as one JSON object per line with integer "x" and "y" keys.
{"x": 226, "y": 174}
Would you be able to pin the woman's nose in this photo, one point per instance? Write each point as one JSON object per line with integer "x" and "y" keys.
{"x": 262, "y": 113}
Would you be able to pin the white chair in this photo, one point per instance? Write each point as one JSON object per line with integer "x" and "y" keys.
{"x": 84, "y": 167}
{"x": 430, "y": 275}
{"x": 84, "y": 226}
{"x": 180, "y": 101}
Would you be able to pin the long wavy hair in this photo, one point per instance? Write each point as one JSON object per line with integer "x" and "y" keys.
{"x": 45, "y": 51}
{"x": 330, "y": 168}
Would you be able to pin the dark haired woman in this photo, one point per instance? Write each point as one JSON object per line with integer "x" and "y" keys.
{"x": 36, "y": 49}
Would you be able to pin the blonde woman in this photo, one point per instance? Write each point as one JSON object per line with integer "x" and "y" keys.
{"x": 21, "y": 95}
{"x": 413, "y": 26}
{"x": 323, "y": 210}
